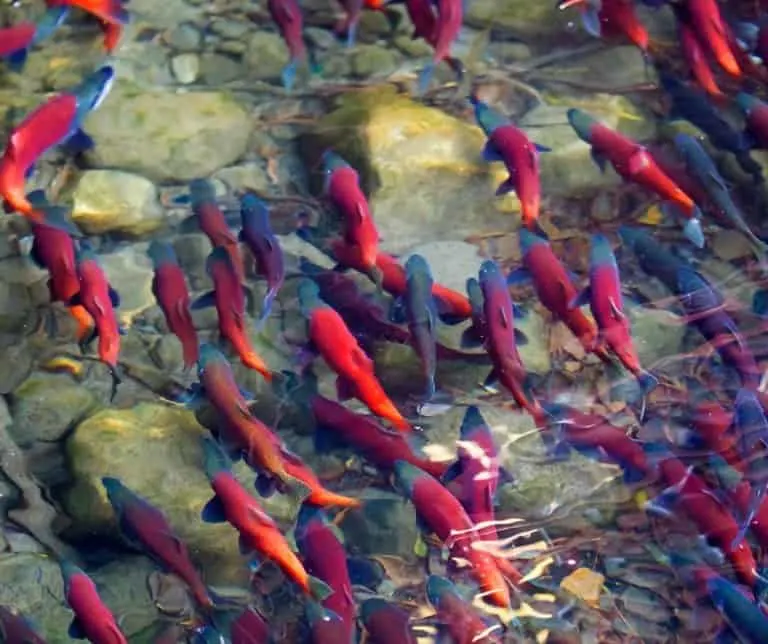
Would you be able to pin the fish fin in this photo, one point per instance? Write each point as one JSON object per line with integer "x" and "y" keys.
{"x": 505, "y": 187}
{"x": 446, "y": 314}
{"x": 491, "y": 153}
{"x": 288, "y": 75}
{"x": 366, "y": 572}
{"x": 78, "y": 143}
{"x": 590, "y": 19}
{"x": 542, "y": 148}
{"x": 470, "y": 338}
{"x": 693, "y": 232}
{"x": 34, "y": 254}
{"x": 600, "y": 160}
{"x": 76, "y": 630}
{"x": 114, "y": 297}
{"x": 491, "y": 378}
{"x": 581, "y": 299}
{"x": 397, "y": 313}
{"x": 17, "y": 60}
{"x": 204, "y": 301}
{"x": 265, "y": 485}
{"x": 519, "y": 276}
{"x": 75, "y": 300}
{"x": 520, "y": 338}
{"x": 319, "y": 589}
{"x": 616, "y": 311}
{"x": 425, "y": 78}
{"x": 213, "y": 511}
{"x": 453, "y": 472}
{"x": 29, "y": 171}
{"x": 344, "y": 389}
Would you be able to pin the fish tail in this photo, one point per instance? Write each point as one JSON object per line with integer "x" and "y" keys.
{"x": 116, "y": 381}
{"x": 318, "y": 589}
{"x": 351, "y": 33}
{"x": 425, "y": 78}
{"x": 648, "y": 382}
{"x": 289, "y": 74}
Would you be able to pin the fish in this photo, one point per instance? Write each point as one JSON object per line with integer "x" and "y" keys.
{"x": 100, "y": 300}
{"x": 332, "y": 339}
{"x": 452, "y": 306}
{"x": 212, "y": 222}
{"x": 696, "y": 57}
{"x": 714, "y": 428}
{"x": 448, "y": 23}
{"x": 259, "y": 534}
{"x": 692, "y": 105}
{"x": 112, "y": 15}
{"x": 421, "y": 314}
{"x": 686, "y": 492}
{"x": 594, "y": 436}
{"x": 554, "y": 287}
{"x": 289, "y": 21}
{"x": 441, "y": 513}
{"x": 16, "y": 629}
{"x": 93, "y": 620}
{"x": 503, "y": 338}
{"x": 146, "y": 527}
{"x": 321, "y": 546}
{"x": 228, "y": 296}
{"x": 342, "y": 188}
{"x": 707, "y": 21}
{"x": 265, "y": 248}
{"x": 247, "y": 627}
{"x": 476, "y": 334}
{"x": 377, "y": 444}
{"x": 385, "y": 622}
{"x": 169, "y": 287}
{"x": 605, "y": 300}
{"x": 353, "y": 10}
{"x": 477, "y": 473}
{"x": 611, "y": 19}
{"x": 701, "y": 166}
{"x": 16, "y": 41}
{"x": 57, "y": 121}
{"x": 457, "y": 617}
{"x": 756, "y": 115}
{"x": 424, "y": 19}
{"x": 511, "y": 146}
{"x": 634, "y": 163}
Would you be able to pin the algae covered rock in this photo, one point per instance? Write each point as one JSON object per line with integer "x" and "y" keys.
{"x": 46, "y": 406}
{"x": 111, "y": 201}
{"x": 156, "y": 451}
{"x": 521, "y": 18}
{"x": 420, "y": 167}
{"x": 167, "y": 136}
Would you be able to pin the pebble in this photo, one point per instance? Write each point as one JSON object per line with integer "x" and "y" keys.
{"x": 185, "y": 37}
{"x": 186, "y": 68}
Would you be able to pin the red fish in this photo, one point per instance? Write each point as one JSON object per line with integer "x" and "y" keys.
{"x": 458, "y": 618}
{"x": 111, "y": 14}
{"x": 331, "y": 337}
{"x": 451, "y": 305}
{"x": 710, "y": 28}
{"x": 147, "y": 528}
{"x": 634, "y": 163}
{"x": 287, "y": 17}
{"x": 503, "y": 338}
{"x": 93, "y": 619}
{"x": 605, "y": 300}
{"x": 16, "y": 41}
{"x": 229, "y": 299}
{"x": 450, "y": 17}
{"x": 385, "y": 622}
{"x": 611, "y": 19}
{"x": 444, "y": 515}
{"x": 170, "y": 289}
{"x": 756, "y": 114}
{"x": 99, "y": 299}
{"x": 258, "y": 532}
{"x": 697, "y": 61}
{"x": 380, "y": 446}
{"x": 15, "y": 629}
{"x": 510, "y": 145}
{"x": 321, "y": 548}
{"x": 213, "y": 224}
{"x": 342, "y": 187}
{"x": 348, "y": 25}
{"x": 424, "y": 19}
{"x": 554, "y": 287}
{"x": 691, "y": 495}
{"x": 713, "y": 425}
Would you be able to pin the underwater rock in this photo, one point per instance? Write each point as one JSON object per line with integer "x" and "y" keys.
{"x": 656, "y": 333}
{"x": 245, "y": 176}
{"x": 372, "y": 61}
{"x": 167, "y": 136}
{"x": 47, "y": 406}
{"x": 266, "y": 56}
{"x": 129, "y": 271}
{"x": 420, "y": 166}
{"x": 155, "y": 450}
{"x": 15, "y": 306}
{"x": 111, "y": 201}
{"x": 186, "y": 68}
{"x": 32, "y": 584}
{"x": 520, "y": 18}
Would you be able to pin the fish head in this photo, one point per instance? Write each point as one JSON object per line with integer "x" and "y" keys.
{"x": 601, "y": 252}
{"x": 407, "y": 476}
{"x": 331, "y": 161}
{"x": 69, "y": 571}
{"x": 254, "y": 212}
{"x": 308, "y": 293}
{"x": 201, "y": 191}
{"x": 438, "y": 587}
{"x": 215, "y": 461}
{"x": 161, "y": 253}
{"x": 491, "y": 276}
{"x": 747, "y": 103}
{"x": 476, "y": 298}
{"x": 208, "y": 357}
{"x": 488, "y": 118}
{"x": 309, "y": 514}
{"x": 84, "y": 253}
{"x": 529, "y": 239}
{"x": 93, "y": 90}
{"x": 117, "y": 493}
{"x": 582, "y": 123}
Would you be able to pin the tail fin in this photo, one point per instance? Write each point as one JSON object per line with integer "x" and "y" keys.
{"x": 425, "y": 78}
{"x": 289, "y": 75}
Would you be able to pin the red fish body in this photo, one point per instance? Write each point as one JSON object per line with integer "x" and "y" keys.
{"x": 93, "y": 620}
{"x": 325, "y": 558}
{"x": 258, "y": 532}
{"x": 756, "y": 115}
{"x": 449, "y": 302}
{"x": 713, "y": 520}
{"x": 287, "y": 17}
{"x": 713, "y": 424}
{"x": 424, "y": 19}
{"x": 697, "y": 61}
{"x": 380, "y": 446}
{"x": 145, "y": 526}
{"x": 341, "y": 351}
{"x": 450, "y": 17}
{"x": 169, "y": 287}
{"x": 228, "y": 298}
{"x": 444, "y": 515}
{"x": 16, "y": 38}
{"x": 619, "y": 18}
{"x": 710, "y": 27}
{"x": 457, "y": 617}
{"x": 111, "y": 14}
{"x": 386, "y": 623}
{"x": 553, "y": 287}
